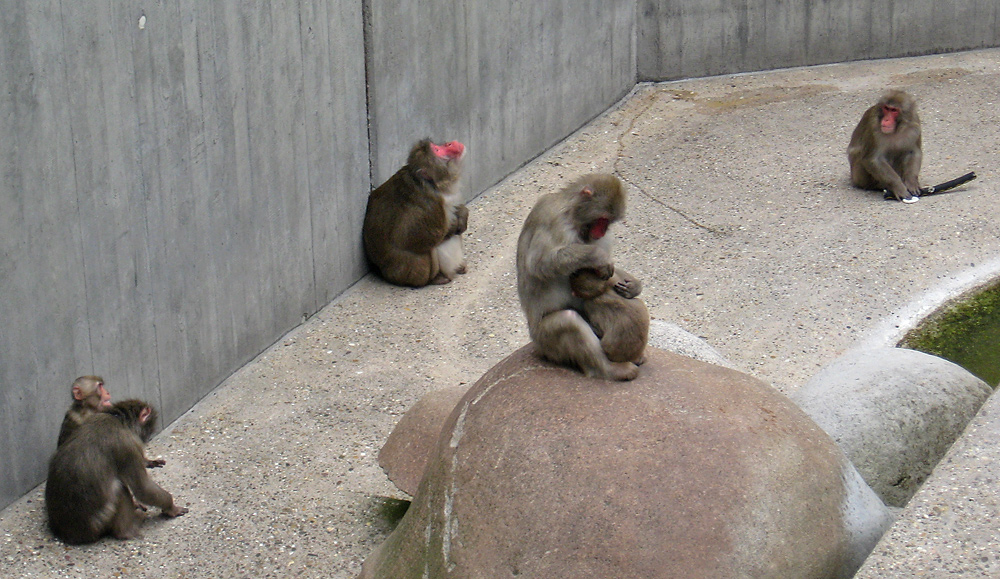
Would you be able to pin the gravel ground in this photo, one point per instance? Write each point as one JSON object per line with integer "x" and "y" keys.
{"x": 742, "y": 225}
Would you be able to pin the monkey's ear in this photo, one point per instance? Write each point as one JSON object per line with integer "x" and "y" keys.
{"x": 144, "y": 414}
{"x": 77, "y": 393}
{"x": 587, "y": 192}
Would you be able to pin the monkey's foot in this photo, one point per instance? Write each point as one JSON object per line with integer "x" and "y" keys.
{"x": 126, "y": 535}
{"x": 622, "y": 371}
{"x": 174, "y": 512}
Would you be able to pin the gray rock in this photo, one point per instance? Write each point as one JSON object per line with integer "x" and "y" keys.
{"x": 894, "y": 412}
{"x": 691, "y": 470}
{"x": 673, "y": 338}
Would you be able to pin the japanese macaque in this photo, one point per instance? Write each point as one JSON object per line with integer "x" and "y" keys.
{"x": 89, "y": 396}
{"x": 618, "y": 317}
{"x": 94, "y": 475}
{"x": 565, "y": 232}
{"x": 885, "y": 147}
{"x": 414, "y": 222}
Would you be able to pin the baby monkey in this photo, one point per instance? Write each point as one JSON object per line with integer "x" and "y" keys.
{"x": 617, "y": 316}
{"x": 89, "y": 397}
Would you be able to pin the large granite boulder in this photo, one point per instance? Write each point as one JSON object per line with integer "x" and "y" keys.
{"x": 894, "y": 412}
{"x": 691, "y": 470}
{"x": 405, "y": 453}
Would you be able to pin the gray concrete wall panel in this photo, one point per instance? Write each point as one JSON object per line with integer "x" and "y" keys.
{"x": 508, "y": 79}
{"x": 693, "y": 38}
{"x": 174, "y": 196}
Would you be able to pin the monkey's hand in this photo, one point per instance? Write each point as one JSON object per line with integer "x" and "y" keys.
{"x": 598, "y": 259}
{"x": 461, "y": 219}
{"x": 912, "y": 187}
{"x": 905, "y": 195}
{"x": 155, "y": 462}
{"x": 627, "y": 286}
{"x": 574, "y": 256}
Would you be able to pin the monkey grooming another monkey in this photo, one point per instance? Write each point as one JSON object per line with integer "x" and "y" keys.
{"x": 565, "y": 232}
{"x": 414, "y": 222}
{"x": 89, "y": 396}
{"x": 94, "y": 475}
{"x": 618, "y": 317}
{"x": 885, "y": 149}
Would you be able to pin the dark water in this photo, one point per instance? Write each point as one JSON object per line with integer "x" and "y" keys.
{"x": 966, "y": 332}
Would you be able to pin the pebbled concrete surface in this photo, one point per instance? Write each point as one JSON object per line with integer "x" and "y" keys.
{"x": 745, "y": 231}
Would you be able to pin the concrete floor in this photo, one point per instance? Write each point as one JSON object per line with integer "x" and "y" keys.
{"x": 745, "y": 231}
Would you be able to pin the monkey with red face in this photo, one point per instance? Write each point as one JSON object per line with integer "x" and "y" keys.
{"x": 885, "y": 148}
{"x": 414, "y": 221}
{"x": 564, "y": 233}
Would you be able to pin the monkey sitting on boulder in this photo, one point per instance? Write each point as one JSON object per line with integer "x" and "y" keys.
{"x": 567, "y": 231}
{"x": 618, "y": 317}
{"x": 95, "y": 474}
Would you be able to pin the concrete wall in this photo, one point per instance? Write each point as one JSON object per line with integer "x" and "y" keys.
{"x": 173, "y": 197}
{"x": 692, "y": 38}
{"x": 176, "y": 196}
{"x": 509, "y": 79}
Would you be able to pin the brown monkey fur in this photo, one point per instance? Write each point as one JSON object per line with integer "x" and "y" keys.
{"x": 885, "y": 149}
{"x": 89, "y": 396}
{"x": 94, "y": 475}
{"x": 565, "y": 232}
{"x": 618, "y": 317}
{"x": 414, "y": 221}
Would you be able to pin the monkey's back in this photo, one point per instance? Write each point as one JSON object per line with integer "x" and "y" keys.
{"x": 547, "y": 229}
{"x": 73, "y": 419}
{"x": 623, "y": 324}
{"x": 403, "y": 218}
{"x": 539, "y": 237}
{"x": 82, "y": 484}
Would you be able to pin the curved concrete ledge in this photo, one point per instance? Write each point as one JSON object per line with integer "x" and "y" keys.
{"x": 950, "y": 526}
{"x": 892, "y": 328}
